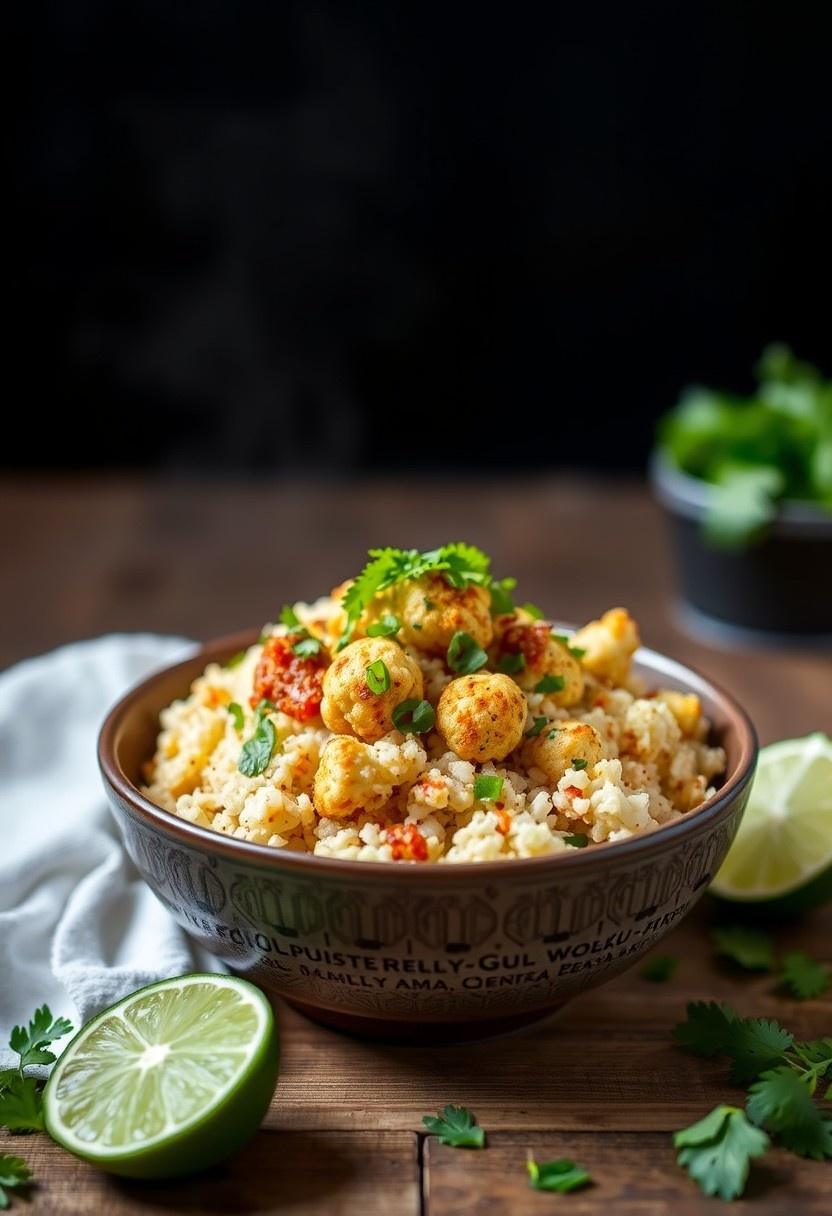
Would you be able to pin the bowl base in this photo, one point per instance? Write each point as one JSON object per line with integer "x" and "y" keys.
{"x": 418, "y": 1033}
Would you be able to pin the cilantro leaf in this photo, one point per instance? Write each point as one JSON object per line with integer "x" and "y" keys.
{"x": 501, "y": 602}
{"x": 578, "y": 840}
{"x": 307, "y": 648}
{"x": 749, "y": 948}
{"x": 660, "y": 968}
{"x": 717, "y": 1150}
{"x": 14, "y": 1172}
{"x": 533, "y": 611}
{"x": 536, "y": 727}
{"x": 21, "y": 1105}
{"x": 259, "y": 749}
{"x": 289, "y": 617}
{"x": 487, "y": 787}
{"x": 511, "y": 663}
{"x": 456, "y": 1126}
{"x": 707, "y": 1029}
{"x": 781, "y": 1101}
{"x": 236, "y": 660}
{"x": 30, "y": 1042}
{"x": 816, "y": 1055}
{"x": 754, "y": 1045}
{"x": 414, "y": 717}
{"x": 465, "y": 656}
{"x": 237, "y": 714}
{"x": 385, "y": 627}
{"x": 803, "y": 976}
{"x": 550, "y": 684}
{"x": 562, "y": 1175}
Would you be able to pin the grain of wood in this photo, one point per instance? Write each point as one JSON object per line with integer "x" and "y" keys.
{"x": 633, "y": 1173}
{"x": 305, "y": 1173}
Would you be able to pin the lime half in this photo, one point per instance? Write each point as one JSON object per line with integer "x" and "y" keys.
{"x": 168, "y": 1081}
{"x": 784, "y": 844}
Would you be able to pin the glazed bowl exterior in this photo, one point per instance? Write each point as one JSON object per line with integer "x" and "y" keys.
{"x": 383, "y": 949}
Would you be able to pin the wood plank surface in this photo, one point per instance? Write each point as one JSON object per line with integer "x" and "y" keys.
{"x": 633, "y": 1174}
{"x": 602, "y": 1080}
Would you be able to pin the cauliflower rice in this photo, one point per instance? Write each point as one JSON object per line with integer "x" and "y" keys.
{"x": 513, "y": 741}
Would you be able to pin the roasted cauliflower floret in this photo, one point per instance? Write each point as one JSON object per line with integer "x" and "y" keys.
{"x": 560, "y": 745}
{"x": 543, "y": 655}
{"x": 685, "y": 707}
{"x": 364, "y": 684}
{"x": 482, "y": 716}
{"x": 353, "y": 776}
{"x": 609, "y": 645}
{"x": 431, "y": 612}
{"x": 650, "y": 733}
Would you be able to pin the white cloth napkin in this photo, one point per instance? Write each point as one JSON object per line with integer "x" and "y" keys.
{"x": 78, "y": 927}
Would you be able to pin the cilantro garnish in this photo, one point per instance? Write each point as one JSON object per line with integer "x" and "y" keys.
{"x": 259, "y": 749}
{"x": 718, "y": 1150}
{"x": 465, "y": 656}
{"x": 385, "y": 627}
{"x": 414, "y": 717}
{"x": 781, "y": 1102}
{"x": 579, "y": 764}
{"x": 14, "y": 1172}
{"x": 459, "y": 564}
{"x": 21, "y": 1106}
{"x": 578, "y": 840}
{"x": 577, "y": 652}
{"x": 754, "y": 1044}
{"x": 660, "y": 969}
{"x": 562, "y": 1175}
{"x": 377, "y": 677}
{"x": 510, "y": 664}
{"x": 237, "y": 714}
{"x": 30, "y": 1042}
{"x": 235, "y": 660}
{"x": 289, "y": 617}
{"x": 487, "y": 787}
{"x": 803, "y": 976}
{"x": 537, "y": 726}
{"x": 456, "y": 1126}
{"x": 550, "y": 684}
{"x": 533, "y": 611}
{"x": 307, "y": 648}
{"x": 501, "y": 602}
{"x": 750, "y": 949}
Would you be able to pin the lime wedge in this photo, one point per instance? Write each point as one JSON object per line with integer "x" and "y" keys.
{"x": 784, "y": 843}
{"x": 168, "y": 1081}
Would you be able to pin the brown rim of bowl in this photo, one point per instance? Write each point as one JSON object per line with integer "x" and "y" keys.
{"x": 712, "y": 811}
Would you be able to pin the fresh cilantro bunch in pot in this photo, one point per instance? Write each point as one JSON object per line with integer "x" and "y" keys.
{"x": 747, "y": 483}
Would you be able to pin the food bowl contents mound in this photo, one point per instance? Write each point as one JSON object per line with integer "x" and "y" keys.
{"x": 416, "y": 714}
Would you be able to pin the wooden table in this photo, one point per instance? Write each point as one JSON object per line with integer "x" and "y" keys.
{"x": 602, "y": 1082}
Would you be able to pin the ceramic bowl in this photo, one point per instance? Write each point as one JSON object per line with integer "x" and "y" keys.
{"x": 400, "y": 951}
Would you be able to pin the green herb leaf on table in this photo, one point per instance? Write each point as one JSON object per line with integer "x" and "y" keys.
{"x": 456, "y": 1126}
{"x": 659, "y": 969}
{"x": 21, "y": 1105}
{"x": 487, "y": 787}
{"x": 259, "y": 749}
{"x": 707, "y": 1030}
{"x": 465, "y": 656}
{"x": 237, "y": 714}
{"x": 814, "y": 1061}
{"x": 536, "y": 727}
{"x": 385, "y": 627}
{"x": 550, "y": 684}
{"x": 717, "y": 1151}
{"x": 377, "y": 677}
{"x": 562, "y": 1175}
{"x": 748, "y": 948}
{"x": 414, "y": 717}
{"x": 510, "y": 664}
{"x": 289, "y": 617}
{"x": 30, "y": 1041}
{"x": 781, "y": 1102}
{"x": 804, "y": 977}
{"x": 14, "y": 1172}
{"x": 756, "y": 1044}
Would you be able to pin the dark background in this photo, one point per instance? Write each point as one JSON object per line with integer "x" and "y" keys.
{"x": 318, "y": 237}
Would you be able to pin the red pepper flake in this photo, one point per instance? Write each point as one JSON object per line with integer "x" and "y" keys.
{"x": 293, "y": 684}
{"x": 504, "y": 820}
{"x": 572, "y": 791}
{"x": 407, "y": 842}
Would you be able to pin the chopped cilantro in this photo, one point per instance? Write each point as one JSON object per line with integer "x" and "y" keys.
{"x": 562, "y": 1175}
{"x": 550, "y": 684}
{"x": 377, "y": 677}
{"x": 464, "y": 654}
{"x": 236, "y": 660}
{"x": 501, "y": 602}
{"x": 385, "y": 627}
{"x": 533, "y": 611}
{"x": 510, "y": 664}
{"x": 259, "y": 749}
{"x": 578, "y": 840}
{"x": 307, "y": 648}
{"x": 237, "y": 714}
{"x": 579, "y": 764}
{"x": 487, "y": 787}
{"x": 289, "y": 617}
{"x": 414, "y": 717}
{"x": 535, "y": 729}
